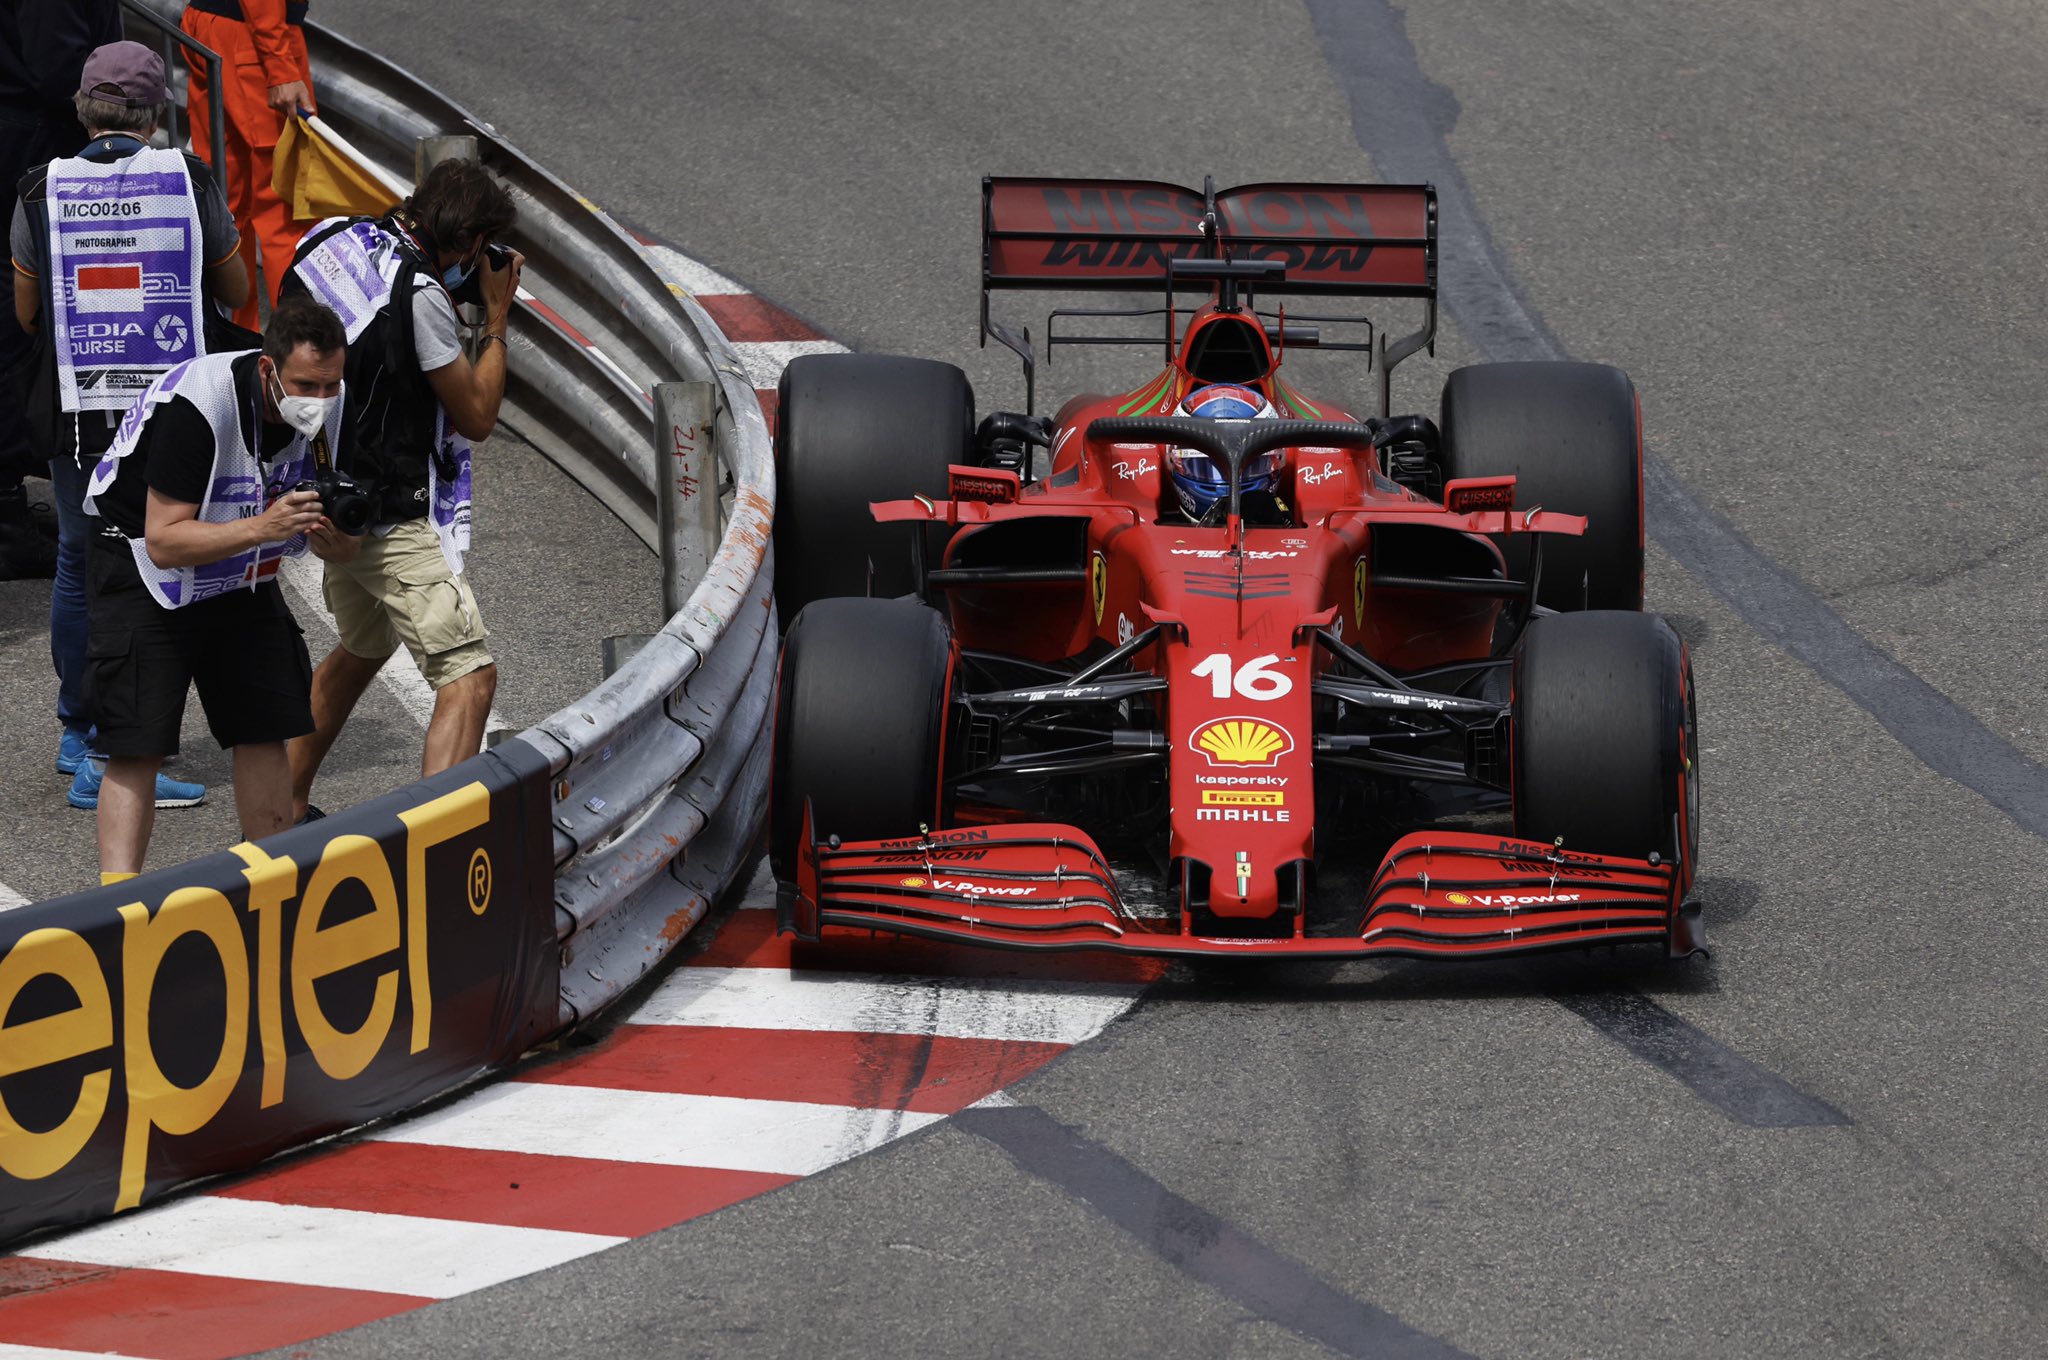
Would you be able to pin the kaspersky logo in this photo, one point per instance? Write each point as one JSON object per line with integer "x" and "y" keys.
{"x": 1241, "y": 741}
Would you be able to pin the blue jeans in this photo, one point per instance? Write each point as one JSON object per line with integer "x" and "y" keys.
{"x": 68, "y": 628}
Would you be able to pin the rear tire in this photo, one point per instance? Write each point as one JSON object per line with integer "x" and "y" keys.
{"x": 853, "y": 429}
{"x": 860, "y": 723}
{"x": 1605, "y": 745}
{"x": 1571, "y": 436}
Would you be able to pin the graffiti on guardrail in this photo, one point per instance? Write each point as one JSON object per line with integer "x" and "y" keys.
{"x": 200, "y": 1018}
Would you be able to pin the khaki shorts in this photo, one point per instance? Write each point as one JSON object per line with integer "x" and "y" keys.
{"x": 399, "y": 589}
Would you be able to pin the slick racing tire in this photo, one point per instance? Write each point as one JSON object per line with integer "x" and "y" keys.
{"x": 860, "y": 723}
{"x": 1605, "y": 749}
{"x": 1570, "y": 434}
{"x": 853, "y": 429}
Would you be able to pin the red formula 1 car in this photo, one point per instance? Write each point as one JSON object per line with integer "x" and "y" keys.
{"x": 1230, "y": 639}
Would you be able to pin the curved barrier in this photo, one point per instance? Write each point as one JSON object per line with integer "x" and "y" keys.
{"x": 206, "y": 1015}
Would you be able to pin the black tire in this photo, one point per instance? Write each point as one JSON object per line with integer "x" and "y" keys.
{"x": 860, "y": 723}
{"x": 851, "y": 429}
{"x": 1605, "y": 748}
{"x": 1571, "y": 436}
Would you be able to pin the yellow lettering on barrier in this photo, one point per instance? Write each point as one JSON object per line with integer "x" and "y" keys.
{"x": 426, "y": 826}
{"x": 272, "y": 883}
{"x": 154, "y": 1101}
{"x": 85, "y": 1028}
{"x": 156, "y": 1104}
{"x": 319, "y": 950}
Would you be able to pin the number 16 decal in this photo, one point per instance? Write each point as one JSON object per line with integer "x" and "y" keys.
{"x": 1253, "y": 680}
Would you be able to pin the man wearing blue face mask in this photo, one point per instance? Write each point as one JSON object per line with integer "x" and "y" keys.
{"x": 197, "y": 502}
{"x": 415, "y": 403}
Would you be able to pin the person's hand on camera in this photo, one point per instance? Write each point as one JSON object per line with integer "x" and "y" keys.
{"x": 330, "y": 544}
{"x": 500, "y": 286}
{"x": 292, "y": 514}
{"x": 291, "y": 95}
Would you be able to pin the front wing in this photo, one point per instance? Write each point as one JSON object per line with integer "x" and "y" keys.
{"x": 1047, "y": 887}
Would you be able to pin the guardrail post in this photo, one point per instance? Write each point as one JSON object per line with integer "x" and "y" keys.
{"x": 685, "y": 487}
{"x": 431, "y": 151}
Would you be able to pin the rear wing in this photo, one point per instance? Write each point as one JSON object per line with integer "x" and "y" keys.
{"x": 1335, "y": 240}
{"x": 1348, "y": 240}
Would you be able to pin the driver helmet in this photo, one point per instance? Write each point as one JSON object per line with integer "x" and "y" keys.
{"x": 1200, "y": 481}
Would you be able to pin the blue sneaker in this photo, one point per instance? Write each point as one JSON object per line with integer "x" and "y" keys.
{"x": 72, "y": 749}
{"x": 170, "y": 793}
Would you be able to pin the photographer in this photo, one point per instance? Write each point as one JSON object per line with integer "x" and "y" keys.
{"x": 198, "y": 500}
{"x": 97, "y": 348}
{"x": 415, "y": 403}
{"x": 43, "y": 47}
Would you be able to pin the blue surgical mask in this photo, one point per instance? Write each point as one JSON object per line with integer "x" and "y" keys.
{"x": 457, "y": 274}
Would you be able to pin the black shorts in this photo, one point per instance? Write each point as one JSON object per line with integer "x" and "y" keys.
{"x": 244, "y": 651}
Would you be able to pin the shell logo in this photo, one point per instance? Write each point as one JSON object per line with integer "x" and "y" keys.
{"x": 1242, "y": 741}
{"x": 1457, "y": 899}
{"x": 913, "y": 883}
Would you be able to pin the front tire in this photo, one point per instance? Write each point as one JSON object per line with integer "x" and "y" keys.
{"x": 1605, "y": 742}
{"x": 1571, "y": 435}
{"x": 853, "y": 429}
{"x": 860, "y": 723}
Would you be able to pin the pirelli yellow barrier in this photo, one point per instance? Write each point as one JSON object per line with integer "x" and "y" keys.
{"x": 201, "y": 1017}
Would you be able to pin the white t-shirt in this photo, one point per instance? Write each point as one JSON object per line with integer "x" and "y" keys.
{"x": 433, "y": 324}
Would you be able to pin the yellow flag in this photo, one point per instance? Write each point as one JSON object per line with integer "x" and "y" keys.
{"x": 319, "y": 179}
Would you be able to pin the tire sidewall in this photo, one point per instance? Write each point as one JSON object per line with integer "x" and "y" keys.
{"x": 861, "y": 713}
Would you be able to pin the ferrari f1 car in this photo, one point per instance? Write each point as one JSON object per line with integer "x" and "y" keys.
{"x": 1143, "y": 675}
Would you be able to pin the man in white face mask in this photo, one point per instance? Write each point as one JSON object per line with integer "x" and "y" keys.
{"x": 196, "y": 506}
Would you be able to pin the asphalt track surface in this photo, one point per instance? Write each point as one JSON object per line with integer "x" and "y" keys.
{"x": 1813, "y": 234}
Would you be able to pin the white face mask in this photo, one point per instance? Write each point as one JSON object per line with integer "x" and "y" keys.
{"x": 307, "y": 415}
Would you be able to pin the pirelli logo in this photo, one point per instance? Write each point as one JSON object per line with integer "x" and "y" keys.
{"x": 1243, "y": 798}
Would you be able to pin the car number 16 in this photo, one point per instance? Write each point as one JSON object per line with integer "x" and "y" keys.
{"x": 1252, "y": 680}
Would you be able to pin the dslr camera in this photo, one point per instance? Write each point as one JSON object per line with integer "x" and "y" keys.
{"x": 345, "y": 502}
{"x": 495, "y": 257}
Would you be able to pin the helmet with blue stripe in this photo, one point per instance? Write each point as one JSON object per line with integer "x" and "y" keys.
{"x": 1200, "y": 482}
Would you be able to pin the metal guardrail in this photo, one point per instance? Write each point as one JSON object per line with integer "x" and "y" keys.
{"x": 660, "y": 772}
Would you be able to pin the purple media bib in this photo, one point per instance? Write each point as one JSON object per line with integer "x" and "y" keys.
{"x": 124, "y": 269}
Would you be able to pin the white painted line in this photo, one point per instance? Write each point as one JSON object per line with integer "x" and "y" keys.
{"x": 336, "y": 1248}
{"x": 401, "y": 675}
{"x": 10, "y": 1351}
{"x": 781, "y": 1137}
{"x": 685, "y": 273}
{"x": 995, "y": 1100}
{"x": 764, "y": 360}
{"x": 873, "y": 1003}
{"x": 10, "y": 899}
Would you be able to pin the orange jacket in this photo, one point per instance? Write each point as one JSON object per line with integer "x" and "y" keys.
{"x": 257, "y": 53}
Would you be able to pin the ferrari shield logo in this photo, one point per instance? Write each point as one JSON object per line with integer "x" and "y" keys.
{"x": 1358, "y": 593}
{"x": 1098, "y": 584}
